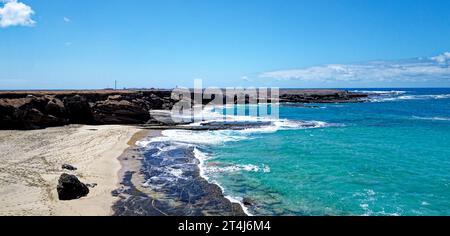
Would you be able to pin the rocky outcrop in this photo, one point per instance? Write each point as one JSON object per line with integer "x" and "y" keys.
{"x": 35, "y": 110}
{"x": 77, "y": 109}
{"x": 70, "y": 188}
{"x": 120, "y": 112}
{"x": 31, "y": 112}
{"x": 41, "y": 109}
{"x": 320, "y": 96}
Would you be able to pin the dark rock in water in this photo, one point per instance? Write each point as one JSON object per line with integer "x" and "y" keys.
{"x": 174, "y": 177}
{"x": 319, "y": 96}
{"x": 248, "y": 201}
{"x": 70, "y": 188}
{"x": 68, "y": 167}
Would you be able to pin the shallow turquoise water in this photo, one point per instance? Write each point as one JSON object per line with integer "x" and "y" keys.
{"x": 388, "y": 157}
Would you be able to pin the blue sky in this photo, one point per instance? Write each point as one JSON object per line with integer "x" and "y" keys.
{"x": 79, "y": 44}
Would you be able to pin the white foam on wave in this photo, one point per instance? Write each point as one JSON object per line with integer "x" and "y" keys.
{"x": 212, "y": 115}
{"x": 420, "y": 97}
{"x": 204, "y": 170}
{"x": 380, "y": 92}
{"x": 411, "y": 97}
{"x": 218, "y": 137}
{"x": 397, "y": 95}
{"x": 224, "y": 136}
{"x": 237, "y": 168}
{"x": 202, "y": 157}
{"x": 178, "y": 173}
{"x": 202, "y": 137}
{"x": 287, "y": 125}
{"x": 436, "y": 118}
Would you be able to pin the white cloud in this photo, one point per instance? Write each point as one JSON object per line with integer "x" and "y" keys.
{"x": 66, "y": 19}
{"x": 15, "y": 13}
{"x": 412, "y": 70}
{"x": 442, "y": 59}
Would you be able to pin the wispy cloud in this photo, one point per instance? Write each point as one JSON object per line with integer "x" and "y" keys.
{"x": 14, "y": 13}
{"x": 66, "y": 19}
{"x": 411, "y": 70}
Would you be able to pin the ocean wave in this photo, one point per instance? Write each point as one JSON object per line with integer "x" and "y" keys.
{"x": 420, "y": 97}
{"x": 437, "y": 118}
{"x": 213, "y": 115}
{"x": 199, "y": 141}
{"x": 239, "y": 168}
{"x": 380, "y": 92}
{"x": 410, "y": 97}
{"x": 397, "y": 95}
{"x": 203, "y": 157}
{"x": 287, "y": 125}
{"x": 223, "y": 136}
{"x": 369, "y": 198}
{"x": 218, "y": 137}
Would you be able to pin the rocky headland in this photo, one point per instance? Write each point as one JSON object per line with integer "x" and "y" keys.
{"x": 41, "y": 109}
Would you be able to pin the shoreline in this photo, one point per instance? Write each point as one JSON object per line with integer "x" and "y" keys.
{"x": 135, "y": 199}
{"x": 106, "y": 156}
{"x": 31, "y": 165}
{"x": 202, "y": 167}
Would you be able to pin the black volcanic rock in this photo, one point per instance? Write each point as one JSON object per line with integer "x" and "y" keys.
{"x": 34, "y": 118}
{"x": 248, "y": 201}
{"x": 7, "y": 119}
{"x": 120, "y": 112}
{"x": 30, "y": 112}
{"x": 78, "y": 109}
{"x": 42, "y": 109}
{"x": 320, "y": 96}
{"x": 55, "y": 107}
{"x": 68, "y": 167}
{"x": 70, "y": 188}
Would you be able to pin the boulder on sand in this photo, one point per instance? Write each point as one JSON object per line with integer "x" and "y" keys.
{"x": 70, "y": 188}
{"x": 68, "y": 167}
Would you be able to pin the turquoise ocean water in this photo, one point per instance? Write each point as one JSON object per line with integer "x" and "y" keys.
{"x": 389, "y": 156}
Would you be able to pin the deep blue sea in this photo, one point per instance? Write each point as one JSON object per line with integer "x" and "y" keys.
{"x": 389, "y": 156}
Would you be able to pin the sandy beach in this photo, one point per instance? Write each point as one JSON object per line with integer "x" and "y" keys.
{"x": 30, "y": 165}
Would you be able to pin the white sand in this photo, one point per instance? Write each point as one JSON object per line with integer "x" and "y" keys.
{"x": 30, "y": 165}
